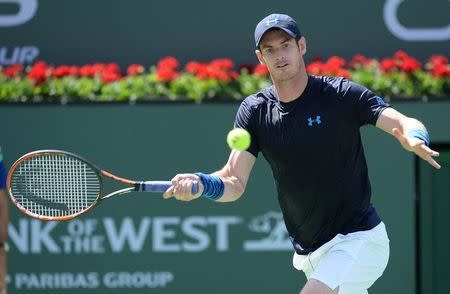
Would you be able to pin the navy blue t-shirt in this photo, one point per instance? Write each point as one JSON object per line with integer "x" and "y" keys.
{"x": 314, "y": 148}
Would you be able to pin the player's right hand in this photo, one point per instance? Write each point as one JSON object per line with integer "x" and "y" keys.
{"x": 181, "y": 188}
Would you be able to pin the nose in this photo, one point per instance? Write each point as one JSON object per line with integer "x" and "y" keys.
{"x": 281, "y": 57}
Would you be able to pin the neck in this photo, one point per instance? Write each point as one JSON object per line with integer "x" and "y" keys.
{"x": 291, "y": 89}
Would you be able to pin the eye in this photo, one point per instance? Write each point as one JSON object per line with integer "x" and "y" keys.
{"x": 268, "y": 51}
{"x": 286, "y": 45}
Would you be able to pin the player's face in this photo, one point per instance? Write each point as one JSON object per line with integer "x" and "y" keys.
{"x": 282, "y": 54}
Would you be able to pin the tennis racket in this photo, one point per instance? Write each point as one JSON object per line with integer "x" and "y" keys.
{"x": 55, "y": 185}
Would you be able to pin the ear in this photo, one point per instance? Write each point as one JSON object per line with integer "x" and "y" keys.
{"x": 302, "y": 45}
{"x": 260, "y": 57}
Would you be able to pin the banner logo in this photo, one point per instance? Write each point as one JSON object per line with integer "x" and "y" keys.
{"x": 27, "y": 10}
{"x": 276, "y": 237}
{"x": 159, "y": 234}
{"x": 390, "y": 16}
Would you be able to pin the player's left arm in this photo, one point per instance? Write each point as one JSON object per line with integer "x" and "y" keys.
{"x": 410, "y": 132}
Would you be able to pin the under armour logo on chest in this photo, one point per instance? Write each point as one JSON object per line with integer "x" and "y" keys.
{"x": 312, "y": 121}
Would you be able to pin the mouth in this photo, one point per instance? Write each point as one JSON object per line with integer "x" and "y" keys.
{"x": 283, "y": 65}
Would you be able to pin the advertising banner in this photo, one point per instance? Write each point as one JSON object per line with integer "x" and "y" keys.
{"x": 80, "y": 32}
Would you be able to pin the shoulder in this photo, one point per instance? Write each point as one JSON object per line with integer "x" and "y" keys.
{"x": 263, "y": 97}
{"x": 341, "y": 86}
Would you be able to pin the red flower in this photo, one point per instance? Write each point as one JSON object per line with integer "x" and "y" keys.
{"x": 440, "y": 70}
{"x": 343, "y": 73}
{"x": 336, "y": 62}
{"x": 112, "y": 67}
{"x": 315, "y": 68}
{"x": 333, "y": 65}
{"x": 13, "y": 70}
{"x": 220, "y": 69}
{"x": 194, "y": 67}
{"x": 234, "y": 75}
{"x": 74, "y": 70}
{"x": 38, "y": 75}
{"x": 215, "y": 73}
{"x": 166, "y": 74}
{"x": 438, "y": 59}
{"x": 360, "y": 60}
{"x": 222, "y": 76}
{"x": 261, "y": 70}
{"x": 135, "y": 69}
{"x": 98, "y": 68}
{"x": 40, "y": 64}
{"x": 438, "y": 66}
{"x": 410, "y": 64}
{"x": 222, "y": 64}
{"x": 110, "y": 76}
{"x": 87, "y": 71}
{"x": 388, "y": 64}
{"x": 39, "y": 72}
{"x": 203, "y": 73}
{"x": 401, "y": 55}
{"x": 61, "y": 71}
{"x": 169, "y": 62}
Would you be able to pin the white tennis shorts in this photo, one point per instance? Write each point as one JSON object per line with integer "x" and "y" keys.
{"x": 352, "y": 262}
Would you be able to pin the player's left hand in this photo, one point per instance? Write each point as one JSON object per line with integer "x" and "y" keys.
{"x": 418, "y": 147}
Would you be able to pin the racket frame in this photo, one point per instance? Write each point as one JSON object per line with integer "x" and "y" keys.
{"x": 138, "y": 186}
{"x": 97, "y": 170}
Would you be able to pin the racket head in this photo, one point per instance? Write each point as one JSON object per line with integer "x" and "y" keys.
{"x": 54, "y": 185}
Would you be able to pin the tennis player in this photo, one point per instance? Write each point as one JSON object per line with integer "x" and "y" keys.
{"x": 3, "y": 224}
{"x": 307, "y": 128}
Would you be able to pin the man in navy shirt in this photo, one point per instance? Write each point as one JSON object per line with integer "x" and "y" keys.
{"x": 307, "y": 128}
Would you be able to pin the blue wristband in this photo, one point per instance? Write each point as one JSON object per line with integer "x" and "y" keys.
{"x": 419, "y": 134}
{"x": 2, "y": 175}
{"x": 213, "y": 186}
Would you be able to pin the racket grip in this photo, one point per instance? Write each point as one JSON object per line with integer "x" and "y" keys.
{"x": 159, "y": 186}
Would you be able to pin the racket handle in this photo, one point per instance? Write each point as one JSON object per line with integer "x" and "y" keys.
{"x": 159, "y": 186}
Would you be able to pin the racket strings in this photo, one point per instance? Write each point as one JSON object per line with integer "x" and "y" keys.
{"x": 55, "y": 185}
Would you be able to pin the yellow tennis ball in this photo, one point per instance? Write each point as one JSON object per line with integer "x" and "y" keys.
{"x": 238, "y": 139}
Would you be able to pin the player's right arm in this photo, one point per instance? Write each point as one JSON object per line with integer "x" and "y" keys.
{"x": 234, "y": 176}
